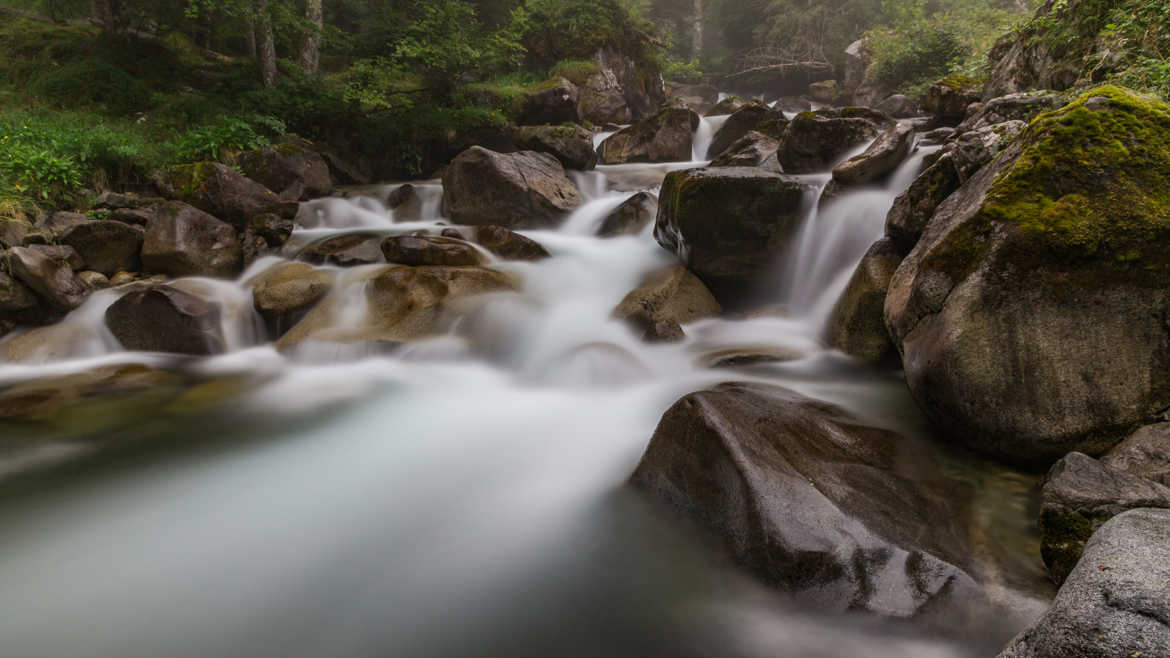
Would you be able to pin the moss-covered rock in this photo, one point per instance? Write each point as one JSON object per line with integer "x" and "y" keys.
{"x": 552, "y": 102}
{"x": 948, "y": 98}
{"x": 729, "y": 105}
{"x": 289, "y": 288}
{"x": 571, "y": 144}
{"x": 292, "y": 169}
{"x": 221, "y": 191}
{"x": 1044, "y": 256}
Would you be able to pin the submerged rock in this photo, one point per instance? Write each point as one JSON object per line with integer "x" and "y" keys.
{"x": 882, "y": 157}
{"x": 664, "y": 137}
{"x": 184, "y": 241}
{"x": 857, "y": 325}
{"x": 631, "y": 217}
{"x": 523, "y": 189}
{"x": 666, "y": 301}
{"x": 166, "y": 319}
{"x": 571, "y": 145}
{"x": 809, "y": 499}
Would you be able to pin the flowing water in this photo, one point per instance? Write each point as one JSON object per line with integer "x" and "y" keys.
{"x": 462, "y": 496}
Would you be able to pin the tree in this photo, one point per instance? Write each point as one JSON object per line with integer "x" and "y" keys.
{"x": 310, "y": 50}
{"x": 265, "y": 43}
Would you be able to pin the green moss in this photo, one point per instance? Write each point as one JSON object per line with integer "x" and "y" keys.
{"x": 961, "y": 82}
{"x": 187, "y": 179}
{"x": 576, "y": 71}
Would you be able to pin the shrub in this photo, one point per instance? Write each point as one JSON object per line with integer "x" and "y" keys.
{"x": 576, "y": 71}
{"x": 91, "y": 82}
{"x": 222, "y": 138}
{"x": 909, "y": 60}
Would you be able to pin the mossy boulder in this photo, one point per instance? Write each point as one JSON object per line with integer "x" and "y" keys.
{"x": 857, "y": 325}
{"x": 525, "y": 189}
{"x": 551, "y": 103}
{"x": 948, "y": 98}
{"x": 825, "y": 91}
{"x": 1048, "y": 253}
{"x": 221, "y": 191}
{"x": 815, "y": 142}
{"x": 664, "y": 137}
{"x": 571, "y": 144}
{"x": 729, "y": 225}
{"x": 754, "y": 116}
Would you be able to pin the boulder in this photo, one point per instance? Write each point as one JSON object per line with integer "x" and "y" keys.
{"x": 273, "y": 229}
{"x": 15, "y": 296}
{"x": 621, "y": 91}
{"x": 94, "y": 280}
{"x": 166, "y": 319}
{"x": 106, "y": 246}
{"x": 48, "y": 271}
{"x": 754, "y": 149}
{"x": 810, "y": 499}
{"x": 792, "y": 104}
{"x": 898, "y": 106}
{"x": 729, "y": 225}
{"x": 664, "y": 137}
{"x": 825, "y": 91}
{"x": 1080, "y": 494}
{"x": 948, "y": 98}
{"x": 509, "y": 245}
{"x": 221, "y": 191}
{"x": 857, "y": 324}
{"x": 973, "y": 150}
{"x": 292, "y": 169}
{"x": 411, "y": 250}
{"x": 882, "y": 157}
{"x": 1013, "y": 107}
{"x": 571, "y": 145}
{"x": 121, "y": 201}
{"x": 631, "y": 217}
{"x": 524, "y": 189}
{"x": 13, "y": 232}
{"x": 1146, "y": 453}
{"x": 1114, "y": 602}
{"x": 184, "y": 241}
{"x": 52, "y": 226}
{"x": 346, "y": 250}
{"x": 664, "y": 302}
{"x": 815, "y": 142}
{"x": 700, "y": 98}
{"x": 406, "y": 203}
{"x": 754, "y": 116}
{"x": 729, "y": 105}
{"x": 1022, "y": 275}
{"x": 289, "y": 288}
{"x": 552, "y": 103}
{"x": 913, "y": 208}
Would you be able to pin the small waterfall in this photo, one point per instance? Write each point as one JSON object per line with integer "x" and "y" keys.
{"x": 704, "y": 135}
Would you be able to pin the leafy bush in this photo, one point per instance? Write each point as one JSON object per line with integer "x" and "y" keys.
{"x": 679, "y": 71}
{"x": 219, "y": 139}
{"x": 576, "y": 71}
{"x": 909, "y": 60}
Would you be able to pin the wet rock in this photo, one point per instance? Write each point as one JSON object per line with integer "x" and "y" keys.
{"x": 133, "y": 216}
{"x": 184, "y": 241}
{"x": 166, "y": 319}
{"x": 898, "y": 106}
{"x": 292, "y": 169}
{"x": 222, "y": 192}
{"x": 664, "y": 137}
{"x": 729, "y": 225}
{"x": 1080, "y": 494}
{"x": 745, "y": 357}
{"x": 273, "y": 229}
{"x": 89, "y": 403}
{"x": 1013, "y": 107}
{"x": 94, "y": 280}
{"x": 631, "y": 217}
{"x": 814, "y": 142}
{"x": 122, "y": 278}
{"x": 410, "y": 250}
{"x": 48, "y": 271}
{"x": 809, "y": 499}
{"x": 882, "y": 157}
{"x": 754, "y": 149}
{"x": 754, "y": 116}
{"x": 948, "y": 98}
{"x": 105, "y": 246}
{"x": 343, "y": 172}
{"x": 1114, "y": 602}
{"x": 666, "y": 301}
{"x": 973, "y": 150}
{"x": 552, "y": 103}
{"x": 347, "y": 250}
{"x": 571, "y": 145}
{"x": 509, "y": 245}
{"x": 857, "y": 325}
{"x": 914, "y": 207}
{"x": 288, "y": 288}
{"x": 825, "y": 91}
{"x": 1146, "y": 453}
{"x": 729, "y": 105}
{"x": 406, "y": 203}
{"x": 514, "y": 190}
{"x": 937, "y": 136}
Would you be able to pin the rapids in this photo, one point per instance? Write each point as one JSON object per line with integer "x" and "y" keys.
{"x": 462, "y": 496}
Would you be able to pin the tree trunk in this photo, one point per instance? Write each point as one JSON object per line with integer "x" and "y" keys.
{"x": 265, "y": 44}
{"x": 250, "y": 35}
{"x": 310, "y": 55}
{"x": 697, "y": 32}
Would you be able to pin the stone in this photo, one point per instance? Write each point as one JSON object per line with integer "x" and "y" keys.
{"x": 631, "y": 217}
{"x": 515, "y": 190}
{"x": 49, "y": 273}
{"x": 15, "y": 296}
{"x": 754, "y": 149}
{"x": 571, "y": 145}
{"x": 621, "y": 90}
{"x": 1146, "y": 453}
{"x": 825, "y": 91}
{"x": 166, "y": 319}
{"x": 289, "y": 288}
{"x": 973, "y": 150}
{"x": 106, "y": 246}
{"x": 552, "y": 103}
{"x": 346, "y": 250}
{"x": 882, "y": 157}
{"x": 119, "y": 201}
{"x": 410, "y": 250}
{"x": 13, "y": 232}
{"x": 94, "y": 280}
{"x": 815, "y": 142}
{"x": 948, "y": 98}
{"x": 898, "y": 106}
{"x": 664, "y": 137}
{"x": 857, "y": 324}
{"x": 700, "y": 98}
{"x": 664, "y": 302}
{"x": 1013, "y": 107}
{"x": 291, "y": 168}
{"x": 754, "y": 116}
{"x": 272, "y": 228}
{"x": 810, "y": 500}
{"x": 1114, "y": 603}
{"x": 406, "y": 203}
{"x": 182, "y": 240}
{"x": 729, "y": 105}
{"x": 913, "y": 208}
{"x": 509, "y": 245}
{"x": 222, "y": 192}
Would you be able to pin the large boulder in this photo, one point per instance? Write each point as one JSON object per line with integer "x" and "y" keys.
{"x": 664, "y": 302}
{"x": 620, "y": 91}
{"x": 524, "y": 189}
{"x": 948, "y": 98}
{"x": 184, "y": 241}
{"x": 913, "y": 208}
{"x": 166, "y": 319}
{"x": 882, "y": 157}
{"x": 572, "y": 145}
{"x": 552, "y": 103}
{"x": 664, "y": 137}
{"x": 729, "y": 225}
{"x": 13, "y": 232}
{"x": 630, "y": 217}
{"x": 106, "y": 246}
{"x": 292, "y": 169}
{"x": 48, "y": 271}
{"x": 857, "y": 325}
{"x": 1080, "y": 494}
{"x": 430, "y": 250}
{"x": 1146, "y": 453}
{"x": 1022, "y": 275}
{"x": 754, "y": 149}
{"x": 221, "y": 191}
{"x": 815, "y": 142}
{"x": 289, "y": 288}
{"x": 1114, "y": 603}
{"x": 754, "y": 116}
{"x": 810, "y": 499}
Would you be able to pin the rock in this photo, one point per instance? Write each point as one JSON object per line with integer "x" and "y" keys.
{"x": 1080, "y": 494}
{"x": 94, "y": 280}
{"x": 792, "y": 104}
{"x": 572, "y": 145}
{"x": 882, "y": 157}
{"x": 552, "y": 103}
{"x": 13, "y": 232}
{"x": 514, "y": 190}
{"x": 292, "y": 169}
{"x": 973, "y": 150}
{"x": 49, "y": 273}
{"x": 273, "y": 229}
{"x": 1114, "y": 602}
{"x": 509, "y": 245}
{"x": 15, "y": 296}
{"x": 898, "y": 106}
{"x": 346, "y": 250}
{"x": 666, "y": 301}
{"x": 948, "y": 98}
{"x": 106, "y": 246}
{"x": 120, "y": 201}
{"x": 288, "y": 288}
{"x": 631, "y": 217}
{"x": 344, "y": 173}
{"x": 621, "y": 91}
{"x": 729, "y": 225}
{"x": 1013, "y": 107}
{"x": 825, "y": 91}
{"x": 664, "y": 137}
{"x": 809, "y": 499}
{"x": 1022, "y": 275}
{"x": 133, "y": 216}
{"x": 122, "y": 278}
{"x": 729, "y": 105}
{"x": 1146, "y": 453}
{"x": 406, "y": 203}
{"x": 92, "y": 403}
{"x": 699, "y": 98}
{"x": 56, "y": 224}
{"x": 857, "y": 325}
{"x": 754, "y": 149}
{"x": 754, "y": 116}
{"x": 815, "y": 142}
{"x": 937, "y": 136}
{"x": 222, "y": 192}
{"x": 166, "y": 319}
{"x": 410, "y": 250}
{"x": 184, "y": 241}
{"x": 913, "y": 208}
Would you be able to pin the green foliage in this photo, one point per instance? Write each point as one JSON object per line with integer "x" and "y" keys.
{"x": 219, "y": 139}
{"x": 559, "y": 30}
{"x": 909, "y": 62}
{"x": 680, "y": 71}
{"x": 576, "y": 71}
{"x": 91, "y": 82}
